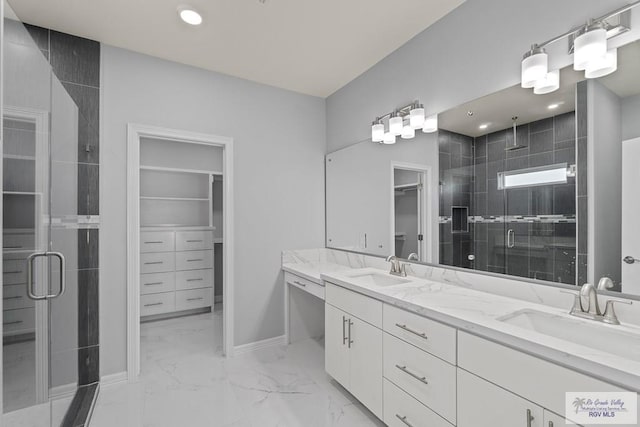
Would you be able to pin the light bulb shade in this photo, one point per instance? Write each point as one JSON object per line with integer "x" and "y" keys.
{"x": 416, "y": 118}
{"x": 603, "y": 66}
{"x": 395, "y": 125}
{"x": 535, "y": 65}
{"x": 377, "y": 132}
{"x": 589, "y": 46}
{"x": 430, "y": 124}
{"x": 389, "y": 138}
{"x": 408, "y": 132}
{"x": 548, "y": 84}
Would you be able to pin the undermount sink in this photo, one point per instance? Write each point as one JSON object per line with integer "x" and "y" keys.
{"x": 588, "y": 333}
{"x": 378, "y": 279}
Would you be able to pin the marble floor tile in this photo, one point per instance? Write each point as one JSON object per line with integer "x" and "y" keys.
{"x": 185, "y": 381}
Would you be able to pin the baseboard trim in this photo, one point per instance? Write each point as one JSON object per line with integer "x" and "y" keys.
{"x": 259, "y": 345}
{"x": 62, "y": 391}
{"x": 111, "y": 379}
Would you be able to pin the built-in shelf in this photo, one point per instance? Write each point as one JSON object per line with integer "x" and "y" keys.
{"x": 161, "y": 227}
{"x": 18, "y": 157}
{"x": 179, "y": 170}
{"x": 21, "y": 193}
{"x": 175, "y": 199}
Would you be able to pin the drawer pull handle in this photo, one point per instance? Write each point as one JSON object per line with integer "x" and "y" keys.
{"x": 199, "y": 279}
{"x": 404, "y": 420}
{"x": 154, "y": 262}
{"x": 15, "y": 322}
{"x": 154, "y": 242}
{"x": 344, "y": 332}
{"x": 550, "y": 423}
{"x": 530, "y": 417}
{"x": 155, "y": 303}
{"x": 15, "y": 297}
{"x": 195, "y": 299}
{"x": 420, "y": 334}
{"x": 153, "y": 283}
{"x": 349, "y": 329}
{"x": 408, "y": 372}
{"x": 194, "y": 241}
{"x": 195, "y": 260}
{"x": 13, "y": 272}
{"x": 304, "y": 285}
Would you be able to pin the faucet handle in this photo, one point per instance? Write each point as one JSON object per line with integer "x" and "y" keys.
{"x": 609, "y": 312}
{"x": 577, "y": 302}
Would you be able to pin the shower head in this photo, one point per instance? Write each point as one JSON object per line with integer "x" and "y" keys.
{"x": 513, "y": 146}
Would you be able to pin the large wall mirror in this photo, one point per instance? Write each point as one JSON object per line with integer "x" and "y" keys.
{"x": 541, "y": 187}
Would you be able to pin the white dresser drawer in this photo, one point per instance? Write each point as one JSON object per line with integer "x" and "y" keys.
{"x": 157, "y": 262}
{"x": 157, "y": 303}
{"x": 194, "y": 279}
{"x": 18, "y": 241}
{"x": 194, "y": 260}
{"x": 363, "y": 307}
{"x": 401, "y": 410}
{"x": 155, "y": 283}
{"x": 15, "y": 296}
{"x": 193, "y": 298}
{"x": 427, "y": 378}
{"x": 14, "y": 272}
{"x": 157, "y": 241}
{"x": 429, "y": 335}
{"x": 19, "y": 321}
{"x": 304, "y": 284}
{"x": 194, "y": 240}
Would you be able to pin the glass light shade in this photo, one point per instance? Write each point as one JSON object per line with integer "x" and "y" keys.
{"x": 548, "y": 84}
{"x": 408, "y": 132}
{"x": 416, "y": 118}
{"x": 534, "y": 67}
{"x": 389, "y": 138}
{"x": 395, "y": 125}
{"x": 603, "y": 66}
{"x": 377, "y": 132}
{"x": 588, "y": 47}
{"x": 430, "y": 124}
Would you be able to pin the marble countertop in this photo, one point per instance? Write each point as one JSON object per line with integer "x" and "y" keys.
{"x": 314, "y": 271}
{"x": 479, "y": 312}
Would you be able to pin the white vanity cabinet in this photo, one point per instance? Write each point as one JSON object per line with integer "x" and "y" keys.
{"x": 353, "y": 345}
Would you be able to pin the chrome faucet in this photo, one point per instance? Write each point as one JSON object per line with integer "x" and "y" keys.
{"x": 591, "y": 309}
{"x": 589, "y": 292}
{"x": 397, "y": 269}
{"x": 413, "y": 257}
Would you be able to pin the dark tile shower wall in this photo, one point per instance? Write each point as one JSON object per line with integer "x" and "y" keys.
{"x": 582, "y": 213}
{"x": 545, "y": 247}
{"x": 76, "y": 63}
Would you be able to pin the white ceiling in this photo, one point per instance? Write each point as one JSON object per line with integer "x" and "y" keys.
{"x": 311, "y": 47}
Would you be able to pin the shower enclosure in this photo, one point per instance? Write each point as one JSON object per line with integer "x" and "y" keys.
{"x": 44, "y": 236}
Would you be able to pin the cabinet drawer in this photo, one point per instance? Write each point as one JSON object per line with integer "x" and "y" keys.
{"x": 194, "y": 260}
{"x": 194, "y": 279}
{"x": 155, "y": 283}
{"x": 157, "y": 262}
{"x": 18, "y": 241}
{"x": 429, "y": 335}
{"x": 157, "y": 241}
{"x": 363, "y": 307}
{"x": 194, "y": 240}
{"x": 157, "y": 303}
{"x": 401, "y": 410}
{"x": 19, "y": 321}
{"x": 193, "y": 298}
{"x": 14, "y": 272}
{"x": 429, "y": 379}
{"x": 304, "y": 284}
{"x": 15, "y": 296}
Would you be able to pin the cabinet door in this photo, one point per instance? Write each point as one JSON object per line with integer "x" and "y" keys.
{"x": 482, "y": 404}
{"x": 365, "y": 342}
{"x": 336, "y": 351}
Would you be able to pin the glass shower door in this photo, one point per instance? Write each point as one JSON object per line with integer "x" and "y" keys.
{"x": 40, "y": 239}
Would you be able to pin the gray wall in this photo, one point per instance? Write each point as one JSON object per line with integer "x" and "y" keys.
{"x": 630, "y": 116}
{"x": 279, "y": 180}
{"x": 473, "y": 51}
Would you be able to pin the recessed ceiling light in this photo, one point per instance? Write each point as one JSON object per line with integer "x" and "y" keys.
{"x": 553, "y": 106}
{"x": 190, "y": 15}
{"x": 483, "y": 126}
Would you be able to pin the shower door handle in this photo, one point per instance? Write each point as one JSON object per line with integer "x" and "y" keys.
{"x": 31, "y": 292}
{"x": 511, "y": 239}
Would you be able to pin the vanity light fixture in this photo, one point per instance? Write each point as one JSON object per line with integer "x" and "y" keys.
{"x": 402, "y": 122}
{"x": 589, "y": 45}
{"x": 189, "y": 15}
